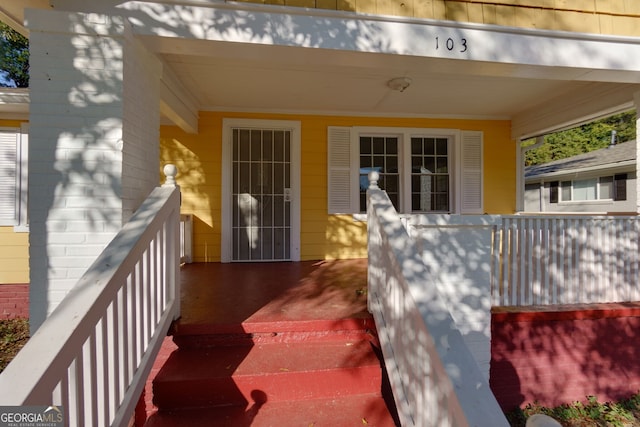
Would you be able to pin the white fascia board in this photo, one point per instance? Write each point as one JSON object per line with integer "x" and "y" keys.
{"x": 14, "y": 103}
{"x": 625, "y": 166}
{"x": 592, "y": 56}
{"x": 569, "y": 110}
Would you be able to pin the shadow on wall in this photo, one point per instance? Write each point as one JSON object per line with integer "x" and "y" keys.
{"x": 345, "y": 237}
{"x": 564, "y": 356}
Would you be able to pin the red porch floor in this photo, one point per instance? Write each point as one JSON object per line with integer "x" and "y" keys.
{"x": 253, "y": 301}
{"x": 223, "y": 295}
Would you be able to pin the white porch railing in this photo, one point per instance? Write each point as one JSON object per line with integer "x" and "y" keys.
{"x": 434, "y": 378}
{"x": 94, "y": 353}
{"x": 541, "y": 260}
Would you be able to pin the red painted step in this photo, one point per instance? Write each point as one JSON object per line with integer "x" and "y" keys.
{"x": 230, "y": 375}
{"x": 355, "y": 410}
{"x": 249, "y": 333}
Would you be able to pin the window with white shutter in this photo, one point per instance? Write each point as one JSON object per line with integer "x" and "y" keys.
{"x": 13, "y": 173}
{"x": 422, "y": 170}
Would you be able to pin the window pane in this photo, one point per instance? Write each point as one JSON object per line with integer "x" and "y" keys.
{"x": 430, "y": 179}
{"x": 566, "y": 191}
{"x": 378, "y": 163}
{"x": 416, "y": 145}
{"x": 442, "y": 165}
{"x": 379, "y": 154}
{"x": 378, "y": 145}
{"x": 606, "y": 187}
{"x": 430, "y": 165}
{"x": 585, "y": 189}
{"x": 365, "y": 145}
{"x": 392, "y": 164}
{"x": 429, "y": 147}
{"x": 392, "y": 145}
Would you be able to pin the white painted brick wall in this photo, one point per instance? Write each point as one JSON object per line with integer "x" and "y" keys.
{"x": 94, "y": 143}
{"x": 141, "y": 130}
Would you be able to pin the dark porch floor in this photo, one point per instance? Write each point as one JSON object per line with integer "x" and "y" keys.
{"x": 223, "y": 296}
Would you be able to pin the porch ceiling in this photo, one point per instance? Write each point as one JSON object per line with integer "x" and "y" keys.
{"x": 250, "y": 77}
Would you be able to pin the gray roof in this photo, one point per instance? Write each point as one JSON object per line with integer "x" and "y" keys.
{"x": 612, "y": 156}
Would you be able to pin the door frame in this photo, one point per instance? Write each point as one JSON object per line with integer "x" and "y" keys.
{"x": 226, "y": 182}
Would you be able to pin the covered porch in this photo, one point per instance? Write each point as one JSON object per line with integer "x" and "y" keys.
{"x": 95, "y": 129}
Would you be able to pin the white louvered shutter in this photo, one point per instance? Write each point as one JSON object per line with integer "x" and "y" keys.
{"x": 472, "y": 176}
{"x": 8, "y": 176}
{"x": 339, "y": 183}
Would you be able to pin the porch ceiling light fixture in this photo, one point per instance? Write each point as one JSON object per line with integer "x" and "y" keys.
{"x": 399, "y": 83}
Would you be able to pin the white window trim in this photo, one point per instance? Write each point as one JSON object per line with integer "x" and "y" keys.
{"x": 338, "y": 137}
{"x": 598, "y": 199}
{"x": 20, "y": 222}
{"x": 23, "y": 191}
{"x": 404, "y": 159}
{"x": 227, "y": 206}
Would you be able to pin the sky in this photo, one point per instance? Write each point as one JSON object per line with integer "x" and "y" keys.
{"x": 4, "y": 81}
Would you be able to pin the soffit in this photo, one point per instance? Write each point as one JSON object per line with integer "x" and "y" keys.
{"x": 245, "y": 77}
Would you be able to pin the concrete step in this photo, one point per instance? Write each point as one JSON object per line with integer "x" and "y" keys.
{"x": 249, "y": 333}
{"x": 279, "y": 372}
{"x": 356, "y": 410}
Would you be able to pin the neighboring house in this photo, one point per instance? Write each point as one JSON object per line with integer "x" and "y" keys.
{"x": 273, "y": 113}
{"x": 601, "y": 181}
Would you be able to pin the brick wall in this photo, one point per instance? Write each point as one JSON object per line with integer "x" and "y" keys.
{"x": 14, "y": 301}
{"x": 563, "y": 356}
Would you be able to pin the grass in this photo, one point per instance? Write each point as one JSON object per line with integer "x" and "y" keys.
{"x": 14, "y": 334}
{"x": 625, "y": 413}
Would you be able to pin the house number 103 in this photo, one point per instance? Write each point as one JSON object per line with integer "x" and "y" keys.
{"x": 450, "y": 44}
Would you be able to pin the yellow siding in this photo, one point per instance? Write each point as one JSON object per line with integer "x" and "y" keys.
{"x": 14, "y": 256}
{"x": 14, "y": 247}
{"x": 614, "y": 17}
{"x": 323, "y": 236}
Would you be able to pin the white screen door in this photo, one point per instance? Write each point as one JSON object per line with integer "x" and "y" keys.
{"x": 261, "y": 194}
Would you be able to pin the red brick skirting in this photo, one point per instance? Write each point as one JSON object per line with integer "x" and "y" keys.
{"x": 556, "y": 355}
{"x": 14, "y": 300}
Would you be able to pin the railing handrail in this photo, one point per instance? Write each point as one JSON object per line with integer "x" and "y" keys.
{"x": 33, "y": 376}
{"x": 463, "y": 390}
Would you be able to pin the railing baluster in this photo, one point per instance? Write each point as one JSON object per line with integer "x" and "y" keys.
{"x": 93, "y": 391}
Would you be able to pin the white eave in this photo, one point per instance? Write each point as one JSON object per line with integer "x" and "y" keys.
{"x": 14, "y": 103}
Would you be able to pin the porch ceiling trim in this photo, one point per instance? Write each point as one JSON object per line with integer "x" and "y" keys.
{"x": 176, "y": 103}
{"x": 573, "y": 109}
{"x": 14, "y": 103}
{"x": 591, "y": 57}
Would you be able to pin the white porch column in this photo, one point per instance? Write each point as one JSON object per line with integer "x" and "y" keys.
{"x": 94, "y": 146}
